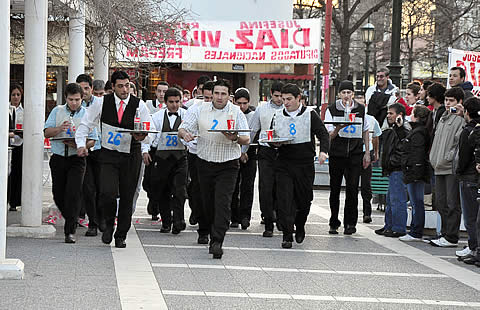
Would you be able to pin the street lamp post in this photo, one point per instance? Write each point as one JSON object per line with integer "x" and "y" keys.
{"x": 395, "y": 66}
{"x": 368, "y": 34}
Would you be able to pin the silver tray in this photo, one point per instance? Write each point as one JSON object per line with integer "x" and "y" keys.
{"x": 229, "y": 130}
{"x": 276, "y": 140}
{"x": 61, "y": 138}
{"x": 137, "y": 131}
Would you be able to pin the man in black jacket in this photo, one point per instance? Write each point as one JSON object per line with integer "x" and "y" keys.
{"x": 467, "y": 179}
{"x": 396, "y": 210}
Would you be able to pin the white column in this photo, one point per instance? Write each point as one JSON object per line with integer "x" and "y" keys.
{"x": 60, "y": 78}
{"x": 9, "y": 268}
{"x": 35, "y": 92}
{"x": 76, "y": 53}
{"x": 252, "y": 83}
{"x": 100, "y": 65}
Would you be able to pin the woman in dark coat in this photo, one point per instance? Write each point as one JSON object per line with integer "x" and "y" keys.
{"x": 415, "y": 167}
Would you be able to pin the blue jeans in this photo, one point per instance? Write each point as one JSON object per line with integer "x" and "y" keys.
{"x": 396, "y": 210}
{"x": 415, "y": 192}
{"x": 468, "y": 202}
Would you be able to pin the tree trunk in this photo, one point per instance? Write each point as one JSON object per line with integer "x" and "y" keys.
{"x": 344, "y": 55}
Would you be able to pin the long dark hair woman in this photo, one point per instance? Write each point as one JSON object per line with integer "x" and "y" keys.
{"x": 16, "y": 142}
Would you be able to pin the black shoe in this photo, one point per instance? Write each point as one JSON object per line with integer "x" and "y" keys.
{"x": 178, "y": 228}
{"x": 192, "y": 220}
{"x": 300, "y": 234}
{"x": 91, "y": 232}
{"x": 393, "y": 234}
{"x": 279, "y": 226}
{"x": 165, "y": 229}
{"x": 234, "y": 224}
{"x": 287, "y": 244}
{"x": 202, "y": 239}
{"x": 12, "y": 209}
{"x": 216, "y": 250}
{"x": 245, "y": 223}
{"x": 349, "y": 230}
{"x": 333, "y": 230}
{"x": 367, "y": 219}
{"x": 470, "y": 260}
{"x": 267, "y": 234}
{"x": 380, "y": 231}
{"x": 155, "y": 217}
{"x": 70, "y": 238}
{"x": 107, "y": 235}
{"x": 120, "y": 243}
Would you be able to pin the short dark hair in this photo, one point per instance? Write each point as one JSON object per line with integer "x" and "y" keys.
{"x": 108, "y": 85}
{"x": 208, "y": 85}
{"x": 472, "y": 106}
{"x": 186, "y": 91}
{"x": 72, "y": 89}
{"x": 291, "y": 89}
{"x": 98, "y": 84}
{"x": 242, "y": 93}
{"x": 455, "y": 92}
{"x": 202, "y": 80}
{"x": 462, "y": 71}
{"x": 399, "y": 108}
{"x": 162, "y": 83}
{"x": 223, "y": 82}
{"x": 172, "y": 92}
{"x": 277, "y": 86}
{"x": 84, "y": 78}
{"x": 421, "y": 113}
{"x": 437, "y": 92}
{"x": 384, "y": 70}
{"x": 426, "y": 84}
{"x": 415, "y": 88}
{"x": 119, "y": 75}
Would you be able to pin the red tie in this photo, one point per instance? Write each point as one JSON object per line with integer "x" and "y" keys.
{"x": 120, "y": 111}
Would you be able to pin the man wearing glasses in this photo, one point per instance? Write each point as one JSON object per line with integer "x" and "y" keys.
{"x": 380, "y": 95}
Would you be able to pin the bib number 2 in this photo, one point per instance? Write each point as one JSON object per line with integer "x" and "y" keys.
{"x": 172, "y": 141}
{"x": 215, "y": 123}
{"x": 114, "y": 139}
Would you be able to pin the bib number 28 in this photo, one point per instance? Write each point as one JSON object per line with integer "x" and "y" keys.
{"x": 114, "y": 139}
{"x": 172, "y": 141}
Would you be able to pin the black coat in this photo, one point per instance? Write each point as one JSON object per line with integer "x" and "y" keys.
{"x": 393, "y": 150}
{"x": 415, "y": 163}
{"x": 465, "y": 159}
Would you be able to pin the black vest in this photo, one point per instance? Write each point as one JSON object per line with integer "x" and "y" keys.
{"x": 177, "y": 154}
{"x": 345, "y": 147}
{"x": 110, "y": 116}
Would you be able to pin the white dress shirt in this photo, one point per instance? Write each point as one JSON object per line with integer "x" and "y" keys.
{"x": 93, "y": 115}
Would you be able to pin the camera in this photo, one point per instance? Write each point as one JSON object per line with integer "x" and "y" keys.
{"x": 453, "y": 110}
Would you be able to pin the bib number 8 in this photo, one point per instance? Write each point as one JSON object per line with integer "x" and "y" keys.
{"x": 114, "y": 139}
{"x": 293, "y": 130}
{"x": 172, "y": 141}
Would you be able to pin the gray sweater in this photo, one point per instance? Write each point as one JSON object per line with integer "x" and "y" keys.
{"x": 447, "y": 135}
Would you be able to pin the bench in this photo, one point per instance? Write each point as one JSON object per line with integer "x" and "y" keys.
{"x": 379, "y": 187}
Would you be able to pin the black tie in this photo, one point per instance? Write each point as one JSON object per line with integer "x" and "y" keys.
{"x": 173, "y": 113}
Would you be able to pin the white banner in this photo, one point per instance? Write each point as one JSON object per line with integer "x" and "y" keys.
{"x": 470, "y": 61}
{"x": 275, "y": 41}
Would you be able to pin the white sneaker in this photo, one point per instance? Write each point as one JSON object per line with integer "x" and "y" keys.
{"x": 443, "y": 243}
{"x": 409, "y": 238}
{"x": 466, "y": 251}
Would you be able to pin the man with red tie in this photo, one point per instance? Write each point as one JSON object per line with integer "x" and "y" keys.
{"x": 120, "y": 156}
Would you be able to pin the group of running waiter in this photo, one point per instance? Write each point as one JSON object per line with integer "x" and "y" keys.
{"x": 204, "y": 150}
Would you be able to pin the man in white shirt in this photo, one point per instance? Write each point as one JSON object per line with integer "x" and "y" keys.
{"x": 120, "y": 155}
{"x": 158, "y": 103}
{"x": 218, "y": 159}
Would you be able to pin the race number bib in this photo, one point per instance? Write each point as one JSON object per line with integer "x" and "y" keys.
{"x": 351, "y": 131}
{"x": 169, "y": 142}
{"x": 115, "y": 141}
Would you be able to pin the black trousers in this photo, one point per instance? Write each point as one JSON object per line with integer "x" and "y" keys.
{"x": 193, "y": 188}
{"x": 67, "y": 180}
{"x": 152, "y": 207}
{"x": 169, "y": 179}
{"x": 266, "y": 185}
{"x": 242, "y": 199}
{"x": 366, "y": 188}
{"x": 91, "y": 190}
{"x": 118, "y": 175}
{"x": 14, "y": 191}
{"x": 217, "y": 183}
{"x": 294, "y": 184}
{"x": 350, "y": 167}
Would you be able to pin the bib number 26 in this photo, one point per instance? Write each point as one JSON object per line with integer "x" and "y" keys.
{"x": 114, "y": 139}
{"x": 172, "y": 141}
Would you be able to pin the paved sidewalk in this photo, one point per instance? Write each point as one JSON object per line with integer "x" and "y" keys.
{"x": 325, "y": 272}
